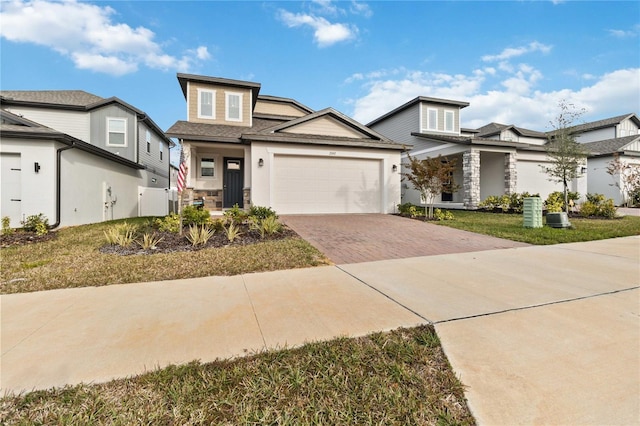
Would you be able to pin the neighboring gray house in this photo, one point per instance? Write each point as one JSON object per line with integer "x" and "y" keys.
{"x": 493, "y": 160}
{"x": 250, "y": 149}
{"x": 79, "y": 158}
{"x": 501, "y": 159}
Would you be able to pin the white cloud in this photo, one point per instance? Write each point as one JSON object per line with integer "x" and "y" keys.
{"x": 326, "y": 7}
{"x": 634, "y": 32}
{"x": 512, "y": 52}
{"x": 325, "y": 33}
{"x": 360, "y": 8}
{"x": 507, "y": 99}
{"x": 93, "y": 41}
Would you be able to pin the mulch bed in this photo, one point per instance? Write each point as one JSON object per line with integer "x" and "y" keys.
{"x": 172, "y": 243}
{"x": 19, "y": 238}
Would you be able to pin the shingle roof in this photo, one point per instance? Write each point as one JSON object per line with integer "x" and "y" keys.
{"x": 186, "y": 129}
{"x": 602, "y": 123}
{"x": 494, "y": 128}
{"x": 57, "y": 97}
{"x": 609, "y": 146}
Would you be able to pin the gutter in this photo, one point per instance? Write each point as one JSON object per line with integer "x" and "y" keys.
{"x": 58, "y": 183}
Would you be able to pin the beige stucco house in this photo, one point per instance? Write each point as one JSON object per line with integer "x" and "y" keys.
{"x": 245, "y": 148}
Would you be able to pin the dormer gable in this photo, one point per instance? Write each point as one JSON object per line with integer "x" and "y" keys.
{"x": 212, "y": 100}
{"x": 327, "y": 122}
{"x": 274, "y": 106}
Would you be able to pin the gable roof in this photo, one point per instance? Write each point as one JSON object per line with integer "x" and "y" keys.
{"x": 278, "y": 99}
{"x": 415, "y": 101}
{"x": 14, "y": 126}
{"x": 607, "y": 122}
{"x": 217, "y": 132}
{"x": 496, "y": 128}
{"x": 609, "y": 146}
{"x": 475, "y": 140}
{"x": 75, "y": 100}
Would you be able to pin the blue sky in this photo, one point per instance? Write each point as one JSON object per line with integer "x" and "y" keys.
{"x": 513, "y": 61}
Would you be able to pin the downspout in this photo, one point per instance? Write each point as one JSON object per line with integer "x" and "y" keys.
{"x": 59, "y": 181}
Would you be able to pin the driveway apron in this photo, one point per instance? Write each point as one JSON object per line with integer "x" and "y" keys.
{"x": 355, "y": 238}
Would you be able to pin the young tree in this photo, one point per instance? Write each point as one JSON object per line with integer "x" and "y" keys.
{"x": 431, "y": 177}
{"x": 626, "y": 177}
{"x": 566, "y": 154}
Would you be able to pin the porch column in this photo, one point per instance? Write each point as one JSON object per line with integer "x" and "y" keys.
{"x": 471, "y": 178}
{"x": 186, "y": 149}
{"x": 510, "y": 173}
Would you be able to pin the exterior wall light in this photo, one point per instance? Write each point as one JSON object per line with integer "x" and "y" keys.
{"x": 261, "y": 162}
{"x": 394, "y": 168}
{"x": 36, "y": 167}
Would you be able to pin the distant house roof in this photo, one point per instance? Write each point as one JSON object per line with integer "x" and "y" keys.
{"x": 468, "y": 140}
{"x": 14, "y": 126}
{"x": 496, "y": 128}
{"x": 609, "y": 146}
{"x": 607, "y": 122}
{"x": 415, "y": 101}
{"x": 76, "y": 100}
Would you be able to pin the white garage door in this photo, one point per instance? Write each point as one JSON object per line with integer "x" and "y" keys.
{"x": 11, "y": 204}
{"x": 326, "y": 185}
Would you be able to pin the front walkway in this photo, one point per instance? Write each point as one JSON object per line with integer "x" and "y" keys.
{"x": 355, "y": 238}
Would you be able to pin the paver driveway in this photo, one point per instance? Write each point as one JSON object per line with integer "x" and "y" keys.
{"x": 355, "y": 238}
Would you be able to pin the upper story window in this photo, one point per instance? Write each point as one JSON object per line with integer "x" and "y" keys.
{"x": 432, "y": 119}
{"x": 116, "y": 131}
{"x": 147, "y": 138}
{"x": 206, "y": 103}
{"x": 449, "y": 125}
{"x": 160, "y": 149}
{"x": 234, "y": 106}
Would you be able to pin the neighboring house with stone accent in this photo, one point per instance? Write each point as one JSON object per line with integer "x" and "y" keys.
{"x": 245, "y": 148}
{"x": 493, "y": 160}
{"x": 78, "y": 158}
{"x": 501, "y": 159}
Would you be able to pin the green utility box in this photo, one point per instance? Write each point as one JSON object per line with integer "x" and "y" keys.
{"x": 532, "y": 210}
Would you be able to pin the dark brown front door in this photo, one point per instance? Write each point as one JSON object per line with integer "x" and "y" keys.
{"x": 233, "y": 182}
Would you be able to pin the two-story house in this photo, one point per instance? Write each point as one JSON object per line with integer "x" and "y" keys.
{"x": 78, "y": 158}
{"x": 245, "y": 148}
{"x": 492, "y": 160}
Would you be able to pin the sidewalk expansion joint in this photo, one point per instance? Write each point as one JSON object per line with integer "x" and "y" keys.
{"x": 539, "y": 305}
{"x": 253, "y": 308}
{"x": 387, "y": 296}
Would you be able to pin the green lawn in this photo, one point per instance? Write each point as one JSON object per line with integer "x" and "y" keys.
{"x": 73, "y": 259}
{"x": 396, "y": 378}
{"x": 509, "y": 226}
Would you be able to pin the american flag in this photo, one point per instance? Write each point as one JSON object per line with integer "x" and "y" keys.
{"x": 182, "y": 172}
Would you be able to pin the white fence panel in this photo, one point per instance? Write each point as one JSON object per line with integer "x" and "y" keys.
{"x": 153, "y": 201}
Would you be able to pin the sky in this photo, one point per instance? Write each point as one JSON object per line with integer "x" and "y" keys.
{"x": 513, "y": 61}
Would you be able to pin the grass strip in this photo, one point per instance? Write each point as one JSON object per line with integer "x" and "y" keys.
{"x": 510, "y": 227}
{"x": 398, "y": 377}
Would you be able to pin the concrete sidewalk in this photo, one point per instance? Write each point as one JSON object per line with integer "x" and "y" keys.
{"x": 537, "y": 334}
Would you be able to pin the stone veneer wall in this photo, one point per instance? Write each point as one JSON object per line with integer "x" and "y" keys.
{"x": 510, "y": 173}
{"x": 213, "y": 199}
{"x": 471, "y": 178}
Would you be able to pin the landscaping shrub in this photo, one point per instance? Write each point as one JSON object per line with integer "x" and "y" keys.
{"x": 6, "y": 226}
{"x": 36, "y": 223}
{"x": 270, "y": 226}
{"x": 555, "y": 200}
{"x": 149, "y": 241}
{"x": 170, "y": 223}
{"x": 408, "y": 209}
{"x": 442, "y": 215}
{"x": 122, "y": 234}
{"x": 236, "y": 215}
{"x": 199, "y": 235}
{"x": 597, "y": 206}
{"x": 507, "y": 203}
{"x": 262, "y": 213}
{"x": 232, "y": 231}
{"x": 192, "y": 215}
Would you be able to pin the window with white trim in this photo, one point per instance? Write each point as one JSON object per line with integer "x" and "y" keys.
{"x": 116, "y": 131}
{"x": 234, "y": 106}
{"x": 206, "y": 103}
{"x": 160, "y": 149}
{"x": 147, "y": 138}
{"x": 449, "y": 125}
{"x": 207, "y": 167}
{"x": 432, "y": 119}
